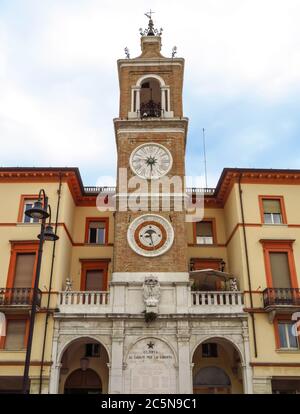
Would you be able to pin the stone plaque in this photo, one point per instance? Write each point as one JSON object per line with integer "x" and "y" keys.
{"x": 150, "y": 368}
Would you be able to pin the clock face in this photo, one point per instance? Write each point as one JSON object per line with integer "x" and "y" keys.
{"x": 150, "y": 235}
{"x": 151, "y": 161}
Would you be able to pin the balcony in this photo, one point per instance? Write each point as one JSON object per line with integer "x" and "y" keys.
{"x": 282, "y": 298}
{"x": 84, "y": 302}
{"x": 16, "y": 298}
{"x": 225, "y": 302}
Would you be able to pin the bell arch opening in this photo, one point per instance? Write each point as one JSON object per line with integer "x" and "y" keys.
{"x": 150, "y": 99}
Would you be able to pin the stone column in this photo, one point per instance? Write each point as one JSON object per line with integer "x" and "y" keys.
{"x": 55, "y": 369}
{"x": 116, "y": 363}
{"x": 247, "y": 369}
{"x": 185, "y": 385}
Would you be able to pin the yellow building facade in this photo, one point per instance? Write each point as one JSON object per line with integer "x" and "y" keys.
{"x": 146, "y": 301}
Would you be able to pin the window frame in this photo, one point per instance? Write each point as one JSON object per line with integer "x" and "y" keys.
{"x": 21, "y": 247}
{"x": 94, "y": 264}
{"x": 283, "y": 319}
{"x": 21, "y": 213}
{"x": 211, "y": 220}
{"x": 89, "y": 220}
{"x": 279, "y": 246}
{"x": 3, "y": 338}
{"x": 282, "y": 209}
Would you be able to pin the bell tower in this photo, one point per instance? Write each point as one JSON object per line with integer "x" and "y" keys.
{"x": 150, "y": 136}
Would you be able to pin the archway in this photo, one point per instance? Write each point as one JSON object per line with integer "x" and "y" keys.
{"x": 83, "y": 382}
{"x": 84, "y": 367}
{"x": 217, "y": 368}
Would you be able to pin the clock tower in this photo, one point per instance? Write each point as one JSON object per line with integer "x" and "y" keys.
{"x": 151, "y": 139}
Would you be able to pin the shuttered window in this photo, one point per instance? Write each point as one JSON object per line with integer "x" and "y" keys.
{"x": 204, "y": 232}
{"x": 97, "y": 232}
{"x": 280, "y": 270}
{"x": 272, "y": 211}
{"x": 15, "y": 335}
{"x": 94, "y": 280}
{"x": 24, "y": 270}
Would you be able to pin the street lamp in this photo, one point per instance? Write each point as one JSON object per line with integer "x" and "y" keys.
{"x": 38, "y": 211}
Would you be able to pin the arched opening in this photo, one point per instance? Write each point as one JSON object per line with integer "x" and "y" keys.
{"x": 83, "y": 382}
{"x": 217, "y": 368}
{"x": 84, "y": 368}
{"x": 150, "y": 99}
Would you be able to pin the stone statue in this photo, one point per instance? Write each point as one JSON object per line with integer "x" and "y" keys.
{"x": 151, "y": 295}
{"x": 68, "y": 285}
{"x": 233, "y": 284}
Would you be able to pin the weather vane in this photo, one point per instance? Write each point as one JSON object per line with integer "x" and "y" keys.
{"x": 150, "y": 31}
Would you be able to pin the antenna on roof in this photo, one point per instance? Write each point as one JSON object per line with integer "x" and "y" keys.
{"x": 204, "y": 156}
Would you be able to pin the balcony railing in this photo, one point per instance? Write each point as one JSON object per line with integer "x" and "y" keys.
{"x": 217, "y": 302}
{"x": 86, "y": 302}
{"x": 112, "y": 190}
{"x": 281, "y": 297}
{"x": 17, "y": 297}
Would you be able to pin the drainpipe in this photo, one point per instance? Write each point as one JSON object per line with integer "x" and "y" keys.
{"x": 50, "y": 285}
{"x": 247, "y": 265}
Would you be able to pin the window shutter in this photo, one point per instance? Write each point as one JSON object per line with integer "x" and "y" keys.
{"x": 280, "y": 270}
{"x": 15, "y": 334}
{"x": 24, "y": 270}
{"x": 204, "y": 229}
{"x": 271, "y": 206}
{"x": 94, "y": 280}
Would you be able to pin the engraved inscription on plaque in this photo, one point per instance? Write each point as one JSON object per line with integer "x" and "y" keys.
{"x": 150, "y": 368}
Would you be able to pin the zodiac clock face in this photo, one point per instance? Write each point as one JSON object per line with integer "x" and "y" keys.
{"x": 150, "y": 235}
{"x": 151, "y": 161}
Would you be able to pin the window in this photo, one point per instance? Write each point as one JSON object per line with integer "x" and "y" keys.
{"x": 22, "y": 264}
{"x": 285, "y": 334}
{"x": 94, "y": 274}
{"x": 27, "y": 202}
{"x": 272, "y": 210}
{"x": 24, "y": 270}
{"x": 96, "y": 231}
{"x": 280, "y": 269}
{"x": 94, "y": 280}
{"x": 15, "y": 335}
{"x": 92, "y": 350}
{"x": 204, "y": 232}
{"x": 210, "y": 350}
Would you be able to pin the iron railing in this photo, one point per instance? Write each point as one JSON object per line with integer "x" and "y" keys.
{"x": 18, "y": 297}
{"x": 150, "y": 110}
{"x": 281, "y": 297}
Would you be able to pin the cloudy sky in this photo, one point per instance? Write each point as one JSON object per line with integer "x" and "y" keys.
{"x": 59, "y": 86}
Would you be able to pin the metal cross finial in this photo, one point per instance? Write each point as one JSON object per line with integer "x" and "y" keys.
{"x": 149, "y": 14}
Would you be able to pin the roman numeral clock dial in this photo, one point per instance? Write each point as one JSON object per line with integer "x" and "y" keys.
{"x": 151, "y": 161}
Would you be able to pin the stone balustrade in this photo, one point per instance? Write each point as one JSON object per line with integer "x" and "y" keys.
{"x": 217, "y": 302}
{"x": 84, "y": 302}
